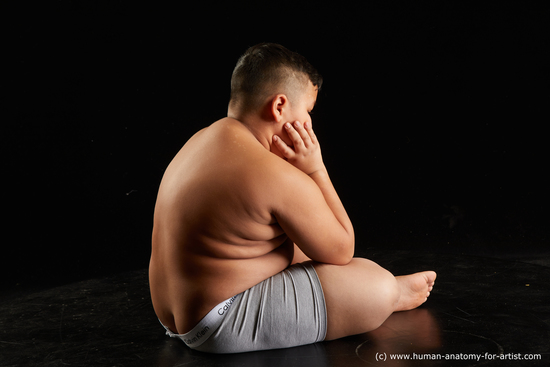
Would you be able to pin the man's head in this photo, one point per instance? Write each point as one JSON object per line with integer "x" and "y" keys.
{"x": 267, "y": 70}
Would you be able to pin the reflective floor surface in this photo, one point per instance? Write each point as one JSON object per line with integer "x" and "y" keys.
{"x": 483, "y": 312}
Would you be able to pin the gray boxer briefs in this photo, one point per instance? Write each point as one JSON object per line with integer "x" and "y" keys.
{"x": 286, "y": 310}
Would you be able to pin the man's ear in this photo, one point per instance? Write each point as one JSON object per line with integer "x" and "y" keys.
{"x": 279, "y": 104}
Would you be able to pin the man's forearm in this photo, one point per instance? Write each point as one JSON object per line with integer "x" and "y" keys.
{"x": 322, "y": 179}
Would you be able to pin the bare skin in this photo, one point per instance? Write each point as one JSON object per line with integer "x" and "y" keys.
{"x": 245, "y": 198}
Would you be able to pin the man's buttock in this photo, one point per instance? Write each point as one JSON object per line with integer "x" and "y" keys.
{"x": 285, "y": 310}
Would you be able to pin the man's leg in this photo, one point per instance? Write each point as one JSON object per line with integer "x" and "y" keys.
{"x": 360, "y": 296}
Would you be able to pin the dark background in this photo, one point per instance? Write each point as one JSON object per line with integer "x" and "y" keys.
{"x": 432, "y": 118}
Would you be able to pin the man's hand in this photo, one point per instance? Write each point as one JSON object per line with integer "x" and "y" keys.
{"x": 305, "y": 154}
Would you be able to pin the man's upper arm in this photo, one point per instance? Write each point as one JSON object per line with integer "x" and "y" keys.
{"x": 302, "y": 212}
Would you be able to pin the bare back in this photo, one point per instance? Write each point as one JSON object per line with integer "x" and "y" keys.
{"x": 214, "y": 235}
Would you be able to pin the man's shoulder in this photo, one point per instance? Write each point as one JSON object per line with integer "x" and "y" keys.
{"x": 273, "y": 178}
{"x": 239, "y": 155}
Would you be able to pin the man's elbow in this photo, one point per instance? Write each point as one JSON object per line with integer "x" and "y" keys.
{"x": 345, "y": 252}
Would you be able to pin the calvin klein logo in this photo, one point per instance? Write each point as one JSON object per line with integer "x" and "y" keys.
{"x": 226, "y": 306}
{"x": 197, "y": 336}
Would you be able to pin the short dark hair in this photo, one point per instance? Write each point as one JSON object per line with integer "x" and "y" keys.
{"x": 265, "y": 66}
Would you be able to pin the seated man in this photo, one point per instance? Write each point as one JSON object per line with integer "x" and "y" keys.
{"x": 252, "y": 248}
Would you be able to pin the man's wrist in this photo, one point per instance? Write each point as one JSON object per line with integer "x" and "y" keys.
{"x": 320, "y": 171}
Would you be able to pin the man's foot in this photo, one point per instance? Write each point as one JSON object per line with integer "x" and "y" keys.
{"x": 415, "y": 289}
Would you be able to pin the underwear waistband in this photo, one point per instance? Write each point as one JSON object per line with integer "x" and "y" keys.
{"x": 206, "y": 327}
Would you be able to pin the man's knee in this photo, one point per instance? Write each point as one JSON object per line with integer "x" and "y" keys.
{"x": 393, "y": 292}
{"x": 387, "y": 288}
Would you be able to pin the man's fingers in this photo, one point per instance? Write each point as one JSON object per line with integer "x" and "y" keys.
{"x": 302, "y": 149}
{"x": 293, "y": 135}
{"x": 304, "y": 134}
{"x": 283, "y": 148}
{"x": 309, "y": 130}
{"x": 299, "y": 136}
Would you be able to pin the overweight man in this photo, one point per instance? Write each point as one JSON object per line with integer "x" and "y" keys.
{"x": 252, "y": 248}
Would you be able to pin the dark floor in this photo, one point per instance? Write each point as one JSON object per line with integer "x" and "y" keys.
{"x": 481, "y": 308}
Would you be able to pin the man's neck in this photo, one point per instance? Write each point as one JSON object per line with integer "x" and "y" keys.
{"x": 258, "y": 127}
